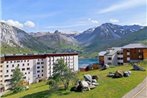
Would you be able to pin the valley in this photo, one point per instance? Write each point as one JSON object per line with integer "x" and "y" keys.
{"x": 87, "y": 43}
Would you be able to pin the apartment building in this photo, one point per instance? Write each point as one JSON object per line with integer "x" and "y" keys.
{"x": 112, "y": 56}
{"x": 35, "y": 67}
{"x": 134, "y": 52}
{"x": 120, "y": 55}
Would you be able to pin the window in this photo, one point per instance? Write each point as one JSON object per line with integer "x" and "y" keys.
{"x": 12, "y": 70}
{"x": 120, "y": 63}
{"x": 128, "y": 50}
{"x": 6, "y": 75}
{"x": 42, "y": 74}
{"x": 139, "y": 50}
{"x": 7, "y": 71}
{"x": 38, "y": 62}
{"x": 119, "y": 58}
{"x": 13, "y": 65}
{"x": 28, "y": 68}
{"x": 42, "y": 66}
{"x": 23, "y": 69}
{"x": 7, "y": 80}
{"x": 22, "y": 64}
{"x": 0, "y": 75}
{"x": 42, "y": 62}
{"x": 109, "y": 58}
{"x": 7, "y": 66}
{"x": 128, "y": 53}
{"x": 28, "y": 64}
{"x": 18, "y": 61}
{"x": 42, "y": 70}
{"x": 128, "y": 59}
{"x": 38, "y": 71}
{"x": 18, "y": 65}
{"x": 38, "y": 67}
{"x": 140, "y": 56}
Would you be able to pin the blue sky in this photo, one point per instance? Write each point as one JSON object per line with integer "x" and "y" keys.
{"x": 71, "y": 15}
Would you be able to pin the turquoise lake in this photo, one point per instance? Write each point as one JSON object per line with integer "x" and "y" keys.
{"x": 86, "y": 61}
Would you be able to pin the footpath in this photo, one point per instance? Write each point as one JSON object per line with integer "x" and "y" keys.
{"x": 138, "y": 92}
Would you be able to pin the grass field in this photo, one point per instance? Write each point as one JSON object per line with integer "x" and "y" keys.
{"x": 108, "y": 88}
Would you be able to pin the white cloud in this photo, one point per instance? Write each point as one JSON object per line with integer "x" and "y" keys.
{"x": 29, "y": 24}
{"x": 114, "y": 20}
{"x": 14, "y": 23}
{"x": 123, "y": 5}
{"x": 93, "y": 21}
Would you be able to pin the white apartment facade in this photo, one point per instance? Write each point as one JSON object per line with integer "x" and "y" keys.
{"x": 34, "y": 67}
{"x": 113, "y": 56}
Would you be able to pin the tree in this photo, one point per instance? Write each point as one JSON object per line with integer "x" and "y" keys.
{"x": 61, "y": 74}
{"x": 17, "y": 81}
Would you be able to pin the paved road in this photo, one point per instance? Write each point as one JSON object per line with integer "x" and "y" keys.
{"x": 138, "y": 92}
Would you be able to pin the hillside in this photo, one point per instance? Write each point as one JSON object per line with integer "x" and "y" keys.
{"x": 134, "y": 37}
{"x": 57, "y": 40}
{"x": 17, "y": 38}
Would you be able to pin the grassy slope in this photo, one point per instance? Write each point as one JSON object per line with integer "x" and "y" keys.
{"x": 6, "y": 49}
{"x": 108, "y": 88}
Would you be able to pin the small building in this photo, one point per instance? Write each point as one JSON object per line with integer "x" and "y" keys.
{"x": 101, "y": 57}
{"x": 120, "y": 55}
{"x": 111, "y": 57}
{"x": 134, "y": 52}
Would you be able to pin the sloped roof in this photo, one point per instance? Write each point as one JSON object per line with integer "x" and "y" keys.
{"x": 102, "y": 53}
{"x": 135, "y": 45}
{"x": 111, "y": 53}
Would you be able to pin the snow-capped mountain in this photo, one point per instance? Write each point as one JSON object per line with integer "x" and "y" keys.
{"x": 106, "y": 31}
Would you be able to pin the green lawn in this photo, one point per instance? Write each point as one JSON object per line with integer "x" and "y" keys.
{"x": 108, "y": 88}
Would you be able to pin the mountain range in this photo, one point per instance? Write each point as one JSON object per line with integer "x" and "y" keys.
{"x": 12, "y": 37}
{"x": 88, "y": 42}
